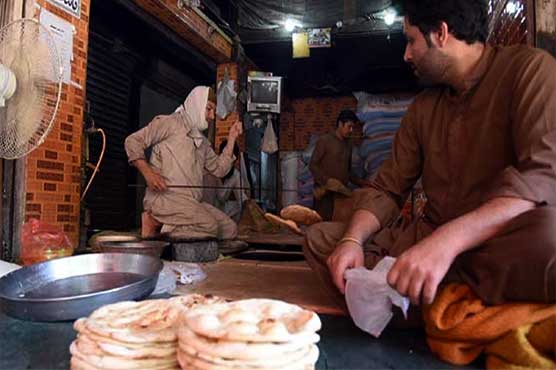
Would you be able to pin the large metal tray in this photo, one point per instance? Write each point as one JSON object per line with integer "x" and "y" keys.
{"x": 72, "y": 287}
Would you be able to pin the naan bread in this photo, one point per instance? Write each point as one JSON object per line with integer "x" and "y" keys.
{"x": 285, "y": 359}
{"x": 275, "y": 220}
{"x": 241, "y": 350}
{"x": 300, "y": 215}
{"x": 254, "y": 320}
{"x": 114, "y": 362}
{"x": 187, "y": 361}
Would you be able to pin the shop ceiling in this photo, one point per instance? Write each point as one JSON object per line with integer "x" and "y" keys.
{"x": 366, "y": 52}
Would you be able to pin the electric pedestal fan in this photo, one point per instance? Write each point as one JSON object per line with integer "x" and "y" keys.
{"x": 30, "y": 86}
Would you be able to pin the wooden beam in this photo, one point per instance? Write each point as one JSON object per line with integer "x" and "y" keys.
{"x": 191, "y": 27}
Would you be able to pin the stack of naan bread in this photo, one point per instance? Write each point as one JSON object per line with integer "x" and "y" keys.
{"x": 258, "y": 334}
{"x": 197, "y": 332}
{"x": 132, "y": 335}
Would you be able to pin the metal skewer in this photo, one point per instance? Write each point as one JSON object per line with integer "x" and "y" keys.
{"x": 209, "y": 187}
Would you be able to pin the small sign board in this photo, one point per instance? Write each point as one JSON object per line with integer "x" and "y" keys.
{"x": 320, "y": 37}
{"x": 71, "y": 6}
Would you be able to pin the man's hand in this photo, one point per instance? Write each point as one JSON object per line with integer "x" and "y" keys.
{"x": 235, "y": 131}
{"x": 419, "y": 270}
{"x": 155, "y": 181}
{"x": 347, "y": 255}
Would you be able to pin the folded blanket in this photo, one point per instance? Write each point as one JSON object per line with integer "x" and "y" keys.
{"x": 514, "y": 335}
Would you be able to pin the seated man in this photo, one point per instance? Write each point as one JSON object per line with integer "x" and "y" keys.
{"x": 331, "y": 164}
{"x": 180, "y": 154}
{"x": 483, "y": 139}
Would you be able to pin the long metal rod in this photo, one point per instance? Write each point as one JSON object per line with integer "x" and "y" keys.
{"x": 209, "y": 187}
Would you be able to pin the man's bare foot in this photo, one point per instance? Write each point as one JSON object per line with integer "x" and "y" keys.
{"x": 149, "y": 226}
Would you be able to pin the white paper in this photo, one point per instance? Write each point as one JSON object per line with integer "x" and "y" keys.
{"x": 62, "y": 33}
{"x": 370, "y": 299}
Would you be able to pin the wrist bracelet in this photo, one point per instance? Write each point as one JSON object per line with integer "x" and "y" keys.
{"x": 350, "y": 239}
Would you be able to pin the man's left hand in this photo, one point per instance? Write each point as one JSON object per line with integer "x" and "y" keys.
{"x": 235, "y": 131}
{"x": 419, "y": 270}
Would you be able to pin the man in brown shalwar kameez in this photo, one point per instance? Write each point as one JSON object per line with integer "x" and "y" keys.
{"x": 483, "y": 140}
{"x": 180, "y": 155}
{"x": 331, "y": 162}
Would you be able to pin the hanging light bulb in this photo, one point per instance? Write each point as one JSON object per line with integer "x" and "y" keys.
{"x": 390, "y": 17}
{"x": 290, "y": 25}
{"x": 511, "y": 7}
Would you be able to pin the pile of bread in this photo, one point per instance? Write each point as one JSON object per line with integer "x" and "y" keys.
{"x": 197, "y": 332}
{"x": 293, "y": 216}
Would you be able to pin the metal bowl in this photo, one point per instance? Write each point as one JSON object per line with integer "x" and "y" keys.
{"x": 73, "y": 287}
{"x": 149, "y": 247}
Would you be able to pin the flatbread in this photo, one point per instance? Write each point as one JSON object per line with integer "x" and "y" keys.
{"x": 118, "y": 363}
{"x": 254, "y": 320}
{"x": 150, "y": 321}
{"x": 242, "y": 350}
{"x": 275, "y": 362}
{"x": 191, "y": 300}
{"x": 100, "y": 346}
{"x": 187, "y": 361}
{"x": 131, "y": 345}
{"x": 300, "y": 215}
{"x": 275, "y": 220}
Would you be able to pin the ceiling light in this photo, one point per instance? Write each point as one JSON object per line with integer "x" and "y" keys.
{"x": 390, "y": 17}
{"x": 291, "y": 24}
{"x": 511, "y": 7}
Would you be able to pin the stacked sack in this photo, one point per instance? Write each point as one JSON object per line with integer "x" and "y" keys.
{"x": 382, "y": 116}
{"x": 289, "y": 162}
{"x": 132, "y": 335}
{"x": 306, "y": 182}
{"x": 250, "y": 334}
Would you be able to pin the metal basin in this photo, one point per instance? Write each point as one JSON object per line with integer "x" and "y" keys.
{"x": 73, "y": 287}
{"x": 150, "y": 247}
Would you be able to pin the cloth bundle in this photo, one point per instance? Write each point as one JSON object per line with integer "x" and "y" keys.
{"x": 514, "y": 336}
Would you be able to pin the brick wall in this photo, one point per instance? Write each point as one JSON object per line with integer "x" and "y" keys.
{"x": 301, "y": 118}
{"x": 54, "y": 169}
{"x": 191, "y": 27}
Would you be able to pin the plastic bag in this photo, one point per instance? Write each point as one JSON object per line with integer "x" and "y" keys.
{"x": 225, "y": 97}
{"x": 270, "y": 143}
{"x": 177, "y": 272}
{"x": 369, "y": 298}
{"x": 41, "y": 242}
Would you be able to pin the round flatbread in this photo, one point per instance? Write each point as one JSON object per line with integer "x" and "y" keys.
{"x": 254, "y": 320}
{"x": 150, "y": 321}
{"x": 274, "y": 362}
{"x": 280, "y": 221}
{"x": 120, "y": 349}
{"x": 242, "y": 350}
{"x": 83, "y": 331}
{"x": 301, "y": 215}
{"x": 192, "y": 300}
{"x": 187, "y": 361}
{"x": 118, "y": 363}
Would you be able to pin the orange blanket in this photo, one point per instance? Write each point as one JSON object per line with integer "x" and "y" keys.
{"x": 514, "y": 336}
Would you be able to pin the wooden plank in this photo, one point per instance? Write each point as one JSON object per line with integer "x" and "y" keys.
{"x": 295, "y": 283}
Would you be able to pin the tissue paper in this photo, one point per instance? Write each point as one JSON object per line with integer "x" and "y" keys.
{"x": 369, "y": 298}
